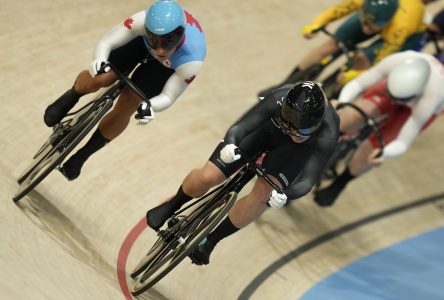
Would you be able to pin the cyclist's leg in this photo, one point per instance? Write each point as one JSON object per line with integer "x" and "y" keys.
{"x": 351, "y": 120}
{"x": 374, "y": 102}
{"x": 243, "y": 212}
{"x": 125, "y": 59}
{"x": 200, "y": 180}
{"x": 109, "y": 128}
{"x": 317, "y": 54}
{"x": 283, "y": 167}
{"x": 362, "y": 160}
{"x": 307, "y": 61}
{"x": 83, "y": 85}
{"x": 195, "y": 185}
{"x": 349, "y": 32}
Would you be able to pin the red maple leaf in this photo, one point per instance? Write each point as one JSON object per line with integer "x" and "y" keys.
{"x": 189, "y": 80}
{"x": 128, "y": 23}
{"x": 192, "y": 21}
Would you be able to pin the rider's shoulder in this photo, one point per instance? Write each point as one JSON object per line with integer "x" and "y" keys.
{"x": 135, "y": 22}
{"x": 330, "y": 129}
{"x": 279, "y": 93}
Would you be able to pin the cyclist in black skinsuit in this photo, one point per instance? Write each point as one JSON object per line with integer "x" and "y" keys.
{"x": 296, "y": 128}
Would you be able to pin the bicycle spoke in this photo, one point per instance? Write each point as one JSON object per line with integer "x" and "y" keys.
{"x": 192, "y": 231}
{"x": 41, "y": 167}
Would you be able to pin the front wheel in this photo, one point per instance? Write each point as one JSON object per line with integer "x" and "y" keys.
{"x": 164, "y": 256}
{"x": 50, "y": 158}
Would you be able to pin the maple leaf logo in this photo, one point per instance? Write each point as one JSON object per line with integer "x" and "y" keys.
{"x": 128, "y": 23}
{"x": 189, "y": 80}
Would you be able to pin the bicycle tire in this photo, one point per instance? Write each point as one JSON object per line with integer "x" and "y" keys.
{"x": 345, "y": 150}
{"x": 56, "y": 157}
{"x": 175, "y": 255}
{"x": 45, "y": 150}
{"x": 330, "y": 85}
{"x": 150, "y": 255}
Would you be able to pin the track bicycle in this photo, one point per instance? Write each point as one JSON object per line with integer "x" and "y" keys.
{"x": 347, "y": 146}
{"x": 318, "y": 72}
{"x": 433, "y": 38}
{"x": 68, "y": 133}
{"x": 190, "y": 225}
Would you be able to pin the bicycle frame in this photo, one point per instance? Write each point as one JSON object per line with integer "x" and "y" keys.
{"x": 329, "y": 81}
{"x": 69, "y": 132}
{"x": 345, "y": 147}
{"x": 183, "y": 233}
{"x": 237, "y": 182}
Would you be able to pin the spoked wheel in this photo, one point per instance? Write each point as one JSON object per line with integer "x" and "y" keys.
{"x": 48, "y": 157}
{"x": 53, "y": 143}
{"x": 164, "y": 256}
{"x": 149, "y": 257}
{"x": 331, "y": 86}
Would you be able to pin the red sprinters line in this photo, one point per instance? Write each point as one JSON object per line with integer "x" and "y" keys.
{"x": 123, "y": 256}
{"x": 124, "y": 251}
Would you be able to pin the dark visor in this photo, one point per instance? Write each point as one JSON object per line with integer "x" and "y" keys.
{"x": 167, "y": 41}
{"x": 288, "y": 129}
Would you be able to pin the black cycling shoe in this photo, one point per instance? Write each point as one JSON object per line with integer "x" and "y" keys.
{"x": 157, "y": 216}
{"x": 328, "y": 196}
{"x": 72, "y": 167}
{"x": 201, "y": 254}
{"x": 55, "y": 112}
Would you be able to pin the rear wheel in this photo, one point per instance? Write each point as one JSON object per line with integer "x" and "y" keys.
{"x": 331, "y": 86}
{"x": 48, "y": 157}
{"x": 164, "y": 256}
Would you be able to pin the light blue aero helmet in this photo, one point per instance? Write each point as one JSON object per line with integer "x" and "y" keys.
{"x": 164, "y": 24}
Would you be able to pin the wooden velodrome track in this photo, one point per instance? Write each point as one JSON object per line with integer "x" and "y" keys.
{"x": 64, "y": 240}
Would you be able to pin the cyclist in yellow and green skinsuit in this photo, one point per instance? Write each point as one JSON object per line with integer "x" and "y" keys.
{"x": 399, "y": 24}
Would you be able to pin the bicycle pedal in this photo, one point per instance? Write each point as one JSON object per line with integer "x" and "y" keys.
{"x": 164, "y": 234}
{"x": 172, "y": 221}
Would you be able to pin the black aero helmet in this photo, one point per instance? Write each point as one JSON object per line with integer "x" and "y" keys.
{"x": 303, "y": 109}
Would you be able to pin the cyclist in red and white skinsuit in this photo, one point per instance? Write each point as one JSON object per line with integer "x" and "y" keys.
{"x": 406, "y": 87}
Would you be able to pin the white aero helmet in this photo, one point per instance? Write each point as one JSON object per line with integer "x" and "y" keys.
{"x": 408, "y": 79}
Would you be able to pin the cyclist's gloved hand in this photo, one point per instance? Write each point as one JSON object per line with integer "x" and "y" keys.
{"x": 96, "y": 65}
{"x": 277, "y": 200}
{"x": 145, "y": 113}
{"x": 308, "y": 30}
{"x": 228, "y": 154}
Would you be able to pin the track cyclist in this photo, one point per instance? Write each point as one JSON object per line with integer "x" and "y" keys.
{"x": 164, "y": 46}
{"x": 398, "y": 23}
{"x": 297, "y": 129}
{"x": 406, "y": 87}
